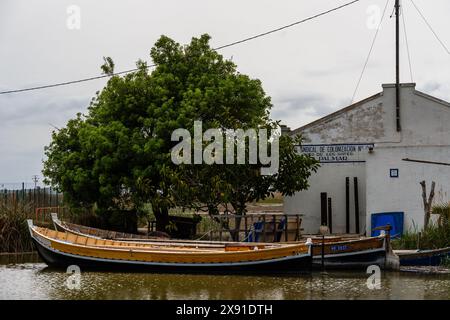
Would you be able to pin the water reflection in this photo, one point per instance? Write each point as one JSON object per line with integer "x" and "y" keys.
{"x": 37, "y": 281}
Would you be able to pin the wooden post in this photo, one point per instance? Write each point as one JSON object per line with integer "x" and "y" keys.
{"x": 297, "y": 231}
{"x": 286, "y": 228}
{"x": 347, "y": 205}
{"x": 323, "y": 252}
{"x": 330, "y": 216}
{"x": 418, "y": 240}
{"x": 220, "y": 227}
{"x": 246, "y": 228}
{"x": 323, "y": 208}
{"x": 274, "y": 227}
{"x": 264, "y": 228}
{"x": 34, "y": 197}
{"x": 355, "y": 183}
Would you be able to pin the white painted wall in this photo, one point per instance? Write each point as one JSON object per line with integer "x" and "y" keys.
{"x": 425, "y": 135}
{"x": 330, "y": 178}
{"x": 385, "y": 194}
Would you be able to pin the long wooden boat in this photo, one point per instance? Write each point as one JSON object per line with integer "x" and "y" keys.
{"x": 353, "y": 253}
{"x": 62, "y": 249}
{"x": 113, "y": 235}
{"x": 338, "y": 252}
{"x": 434, "y": 257}
{"x": 100, "y": 233}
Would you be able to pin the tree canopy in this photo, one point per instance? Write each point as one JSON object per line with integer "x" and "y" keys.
{"x": 118, "y": 154}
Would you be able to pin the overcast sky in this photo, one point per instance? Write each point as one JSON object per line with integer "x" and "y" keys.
{"x": 309, "y": 70}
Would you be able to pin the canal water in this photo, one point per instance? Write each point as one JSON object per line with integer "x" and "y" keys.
{"x": 22, "y": 279}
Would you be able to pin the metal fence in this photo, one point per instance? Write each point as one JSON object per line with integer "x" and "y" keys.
{"x": 255, "y": 227}
{"x": 34, "y": 198}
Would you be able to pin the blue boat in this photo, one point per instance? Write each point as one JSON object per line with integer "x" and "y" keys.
{"x": 434, "y": 257}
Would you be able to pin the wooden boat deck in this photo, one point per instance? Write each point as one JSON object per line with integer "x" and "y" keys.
{"x": 149, "y": 245}
{"x": 164, "y": 253}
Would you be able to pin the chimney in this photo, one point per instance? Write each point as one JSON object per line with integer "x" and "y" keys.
{"x": 285, "y": 129}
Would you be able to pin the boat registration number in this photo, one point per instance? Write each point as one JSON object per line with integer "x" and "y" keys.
{"x": 339, "y": 248}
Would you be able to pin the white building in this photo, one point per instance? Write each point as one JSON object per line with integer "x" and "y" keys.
{"x": 362, "y": 141}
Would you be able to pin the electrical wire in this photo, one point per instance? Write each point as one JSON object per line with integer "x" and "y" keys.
{"x": 370, "y": 52}
{"x": 286, "y": 26}
{"x": 407, "y": 45}
{"x": 431, "y": 28}
{"x": 218, "y": 48}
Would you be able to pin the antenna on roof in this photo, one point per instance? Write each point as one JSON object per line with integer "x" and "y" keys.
{"x": 397, "y": 64}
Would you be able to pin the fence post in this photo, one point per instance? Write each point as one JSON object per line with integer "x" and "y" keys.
{"x": 43, "y": 202}
{"x": 220, "y": 227}
{"x": 286, "y": 228}
{"x": 264, "y": 227}
{"x": 274, "y": 227}
{"x": 245, "y": 226}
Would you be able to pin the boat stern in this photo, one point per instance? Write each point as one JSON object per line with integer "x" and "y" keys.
{"x": 55, "y": 220}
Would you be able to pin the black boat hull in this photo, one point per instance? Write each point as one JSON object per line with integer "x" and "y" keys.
{"x": 293, "y": 264}
{"x": 359, "y": 260}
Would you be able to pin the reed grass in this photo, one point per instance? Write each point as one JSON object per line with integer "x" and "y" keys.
{"x": 435, "y": 236}
{"x": 14, "y": 234}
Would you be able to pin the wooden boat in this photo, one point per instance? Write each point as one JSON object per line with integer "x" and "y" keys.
{"x": 100, "y": 233}
{"x": 62, "y": 249}
{"x": 434, "y": 257}
{"x": 113, "y": 235}
{"x": 341, "y": 253}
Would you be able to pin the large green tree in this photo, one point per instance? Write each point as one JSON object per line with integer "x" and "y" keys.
{"x": 118, "y": 155}
{"x": 231, "y": 187}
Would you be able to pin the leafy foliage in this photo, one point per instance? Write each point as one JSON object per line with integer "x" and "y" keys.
{"x": 117, "y": 156}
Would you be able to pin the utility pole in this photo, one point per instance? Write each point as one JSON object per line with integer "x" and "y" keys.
{"x": 397, "y": 64}
{"x": 35, "y": 180}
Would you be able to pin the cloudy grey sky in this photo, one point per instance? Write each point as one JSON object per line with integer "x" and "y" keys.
{"x": 309, "y": 70}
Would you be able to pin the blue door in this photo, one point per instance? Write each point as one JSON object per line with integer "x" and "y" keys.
{"x": 395, "y": 219}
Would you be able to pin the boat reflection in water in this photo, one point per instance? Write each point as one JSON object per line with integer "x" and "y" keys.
{"x": 37, "y": 281}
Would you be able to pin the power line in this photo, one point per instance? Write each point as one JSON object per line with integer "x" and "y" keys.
{"x": 407, "y": 45}
{"x": 370, "y": 52}
{"x": 430, "y": 27}
{"x": 69, "y": 82}
{"x": 286, "y": 26}
{"x": 218, "y": 48}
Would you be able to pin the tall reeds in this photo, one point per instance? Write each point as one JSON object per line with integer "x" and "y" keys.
{"x": 14, "y": 235}
{"x": 435, "y": 236}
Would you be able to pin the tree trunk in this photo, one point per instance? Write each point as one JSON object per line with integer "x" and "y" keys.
{"x": 427, "y": 203}
{"x": 162, "y": 218}
{"x": 240, "y": 211}
{"x": 237, "y": 227}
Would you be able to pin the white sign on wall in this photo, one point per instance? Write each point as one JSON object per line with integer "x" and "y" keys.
{"x": 336, "y": 153}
